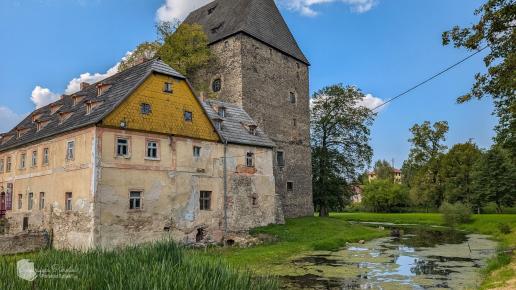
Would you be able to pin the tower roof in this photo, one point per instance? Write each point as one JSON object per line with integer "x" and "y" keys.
{"x": 260, "y": 19}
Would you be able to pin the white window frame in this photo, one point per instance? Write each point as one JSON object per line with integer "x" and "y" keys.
{"x": 70, "y": 150}
{"x": 45, "y": 159}
{"x": 197, "y": 151}
{"x": 132, "y": 200}
{"x": 34, "y": 158}
{"x": 249, "y": 159}
{"x": 68, "y": 201}
{"x": 148, "y": 143}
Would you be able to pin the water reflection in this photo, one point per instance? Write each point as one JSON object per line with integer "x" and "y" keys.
{"x": 416, "y": 258}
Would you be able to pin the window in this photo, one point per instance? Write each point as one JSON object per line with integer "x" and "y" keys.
{"x": 216, "y": 85}
{"x": 188, "y": 116}
{"x": 290, "y": 186}
{"x": 41, "y": 200}
{"x": 167, "y": 88}
{"x": 135, "y": 200}
{"x": 254, "y": 200}
{"x": 145, "y": 109}
{"x": 68, "y": 201}
{"x": 30, "y": 201}
{"x": 222, "y": 112}
{"x": 2, "y": 165}
{"x": 20, "y": 201}
{"x": 9, "y": 197}
{"x": 70, "y": 150}
{"x": 218, "y": 124}
{"x": 122, "y": 147}
{"x": 280, "y": 158}
{"x": 294, "y": 122}
{"x": 152, "y": 149}
{"x": 8, "y": 165}
{"x": 205, "y": 200}
{"x": 217, "y": 28}
{"x": 45, "y": 156}
{"x": 34, "y": 158}
{"x": 292, "y": 98}
{"x": 89, "y": 108}
{"x": 197, "y": 151}
{"x": 25, "y": 225}
{"x": 249, "y": 159}
{"x": 23, "y": 158}
{"x": 252, "y": 130}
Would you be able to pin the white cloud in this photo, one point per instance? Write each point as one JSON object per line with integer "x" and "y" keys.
{"x": 43, "y": 96}
{"x": 371, "y": 102}
{"x": 9, "y": 119}
{"x": 179, "y": 9}
{"x": 306, "y": 7}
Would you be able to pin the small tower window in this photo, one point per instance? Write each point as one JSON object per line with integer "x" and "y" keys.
{"x": 216, "y": 86}
{"x": 280, "y": 158}
{"x": 292, "y": 98}
{"x": 290, "y": 186}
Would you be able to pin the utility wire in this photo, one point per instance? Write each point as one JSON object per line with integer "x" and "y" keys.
{"x": 431, "y": 78}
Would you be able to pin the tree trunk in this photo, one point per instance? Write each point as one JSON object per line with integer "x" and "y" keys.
{"x": 323, "y": 212}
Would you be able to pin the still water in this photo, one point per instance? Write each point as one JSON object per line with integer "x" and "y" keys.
{"x": 412, "y": 258}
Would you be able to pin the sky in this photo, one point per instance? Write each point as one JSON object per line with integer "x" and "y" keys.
{"x": 381, "y": 46}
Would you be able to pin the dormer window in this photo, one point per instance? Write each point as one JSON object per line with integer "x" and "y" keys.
{"x": 212, "y": 9}
{"x": 217, "y": 28}
{"x": 21, "y": 132}
{"x": 91, "y": 105}
{"x": 64, "y": 116}
{"x": 41, "y": 124}
{"x": 54, "y": 109}
{"x": 253, "y": 130}
{"x": 6, "y": 138}
{"x": 102, "y": 88}
{"x": 77, "y": 99}
{"x": 221, "y": 111}
{"x": 35, "y": 117}
{"x": 218, "y": 124}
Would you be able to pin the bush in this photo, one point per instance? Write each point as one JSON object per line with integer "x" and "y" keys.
{"x": 454, "y": 214}
{"x": 504, "y": 228}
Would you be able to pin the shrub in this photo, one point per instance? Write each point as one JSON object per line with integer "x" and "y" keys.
{"x": 504, "y": 228}
{"x": 454, "y": 214}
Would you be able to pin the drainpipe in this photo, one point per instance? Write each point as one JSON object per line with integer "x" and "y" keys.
{"x": 225, "y": 174}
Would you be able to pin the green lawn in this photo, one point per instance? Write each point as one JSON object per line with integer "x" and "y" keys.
{"x": 297, "y": 236}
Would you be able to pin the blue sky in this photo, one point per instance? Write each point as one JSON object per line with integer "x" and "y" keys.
{"x": 381, "y": 46}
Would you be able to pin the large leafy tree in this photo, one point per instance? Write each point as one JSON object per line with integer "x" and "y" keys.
{"x": 340, "y": 144}
{"x": 421, "y": 169}
{"x": 385, "y": 196}
{"x": 384, "y": 170}
{"x": 496, "y": 30}
{"x": 456, "y": 169}
{"x": 494, "y": 175}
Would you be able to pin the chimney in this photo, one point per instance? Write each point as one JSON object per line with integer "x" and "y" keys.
{"x": 84, "y": 85}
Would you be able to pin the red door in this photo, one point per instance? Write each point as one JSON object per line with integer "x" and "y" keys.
{"x": 2, "y": 204}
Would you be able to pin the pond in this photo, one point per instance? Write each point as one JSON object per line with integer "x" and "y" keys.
{"x": 411, "y": 258}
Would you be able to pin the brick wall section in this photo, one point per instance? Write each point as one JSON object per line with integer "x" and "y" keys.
{"x": 23, "y": 243}
{"x": 260, "y": 78}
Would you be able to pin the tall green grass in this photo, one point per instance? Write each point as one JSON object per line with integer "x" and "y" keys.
{"x": 158, "y": 266}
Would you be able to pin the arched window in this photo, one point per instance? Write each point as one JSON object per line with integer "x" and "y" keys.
{"x": 216, "y": 85}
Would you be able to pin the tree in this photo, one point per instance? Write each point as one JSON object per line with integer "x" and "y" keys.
{"x": 421, "y": 169}
{"x": 384, "y": 170}
{"x": 493, "y": 178}
{"x": 456, "y": 167}
{"x": 385, "y": 196}
{"x": 340, "y": 144}
{"x": 186, "y": 50}
{"x": 495, "y": 29}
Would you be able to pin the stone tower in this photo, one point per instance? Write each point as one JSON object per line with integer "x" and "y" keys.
{"x": 261, "y": 68}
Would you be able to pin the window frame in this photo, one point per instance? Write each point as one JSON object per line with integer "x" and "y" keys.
{"x": 250, "y": 160}
{"x": 217, "y": 88}
{"x": 30, "y": 200}
{"x": 145, "y": 109}
{"x": 46, "y": 155}
{"x": 68, "y": 201}
{"x": 196, "y": 151}
{"x": 70, "y": 151}
{"x": 128, "y": 146}
{"x": 132, "y": 206}
{"x": 2, "y": 165}
{"x": 41, "y": 204}
{"x": 20, "y": 201}
{"x": 23, "y": 160}
{"x": 205, "y": 198}
{"x": 292, "y": 98}
{"x": 168, "y": 88}
{"x": 291, "y": 189}
{"x": 34, "y": 159}
{"x": 158, "y": 149}
{"x": 185, "y": 113}
{"x": 8, "y": 164}
{"x": 282, "y": 153}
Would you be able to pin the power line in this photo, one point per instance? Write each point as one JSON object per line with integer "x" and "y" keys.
{"x": 431, "y": 78}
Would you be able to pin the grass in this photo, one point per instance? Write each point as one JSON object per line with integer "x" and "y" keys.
{"x": 158, "y": 266}
{"x": 500, "y": 269}
{"x": 294, "y": 237}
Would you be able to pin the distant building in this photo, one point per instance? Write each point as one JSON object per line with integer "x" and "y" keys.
{"x": 396, "y": 173}
{"x": 357, "y": 196}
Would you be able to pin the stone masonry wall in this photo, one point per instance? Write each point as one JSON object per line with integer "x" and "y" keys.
{"x": 260, "y": 78}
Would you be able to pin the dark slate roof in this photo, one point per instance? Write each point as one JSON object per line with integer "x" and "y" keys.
{"x": 235, "y": 125}
{"x": 123, "y": 84}
{"x": 260, "y": 19}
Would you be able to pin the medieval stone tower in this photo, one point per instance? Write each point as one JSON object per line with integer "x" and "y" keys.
{"x": 261, "y": 68}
